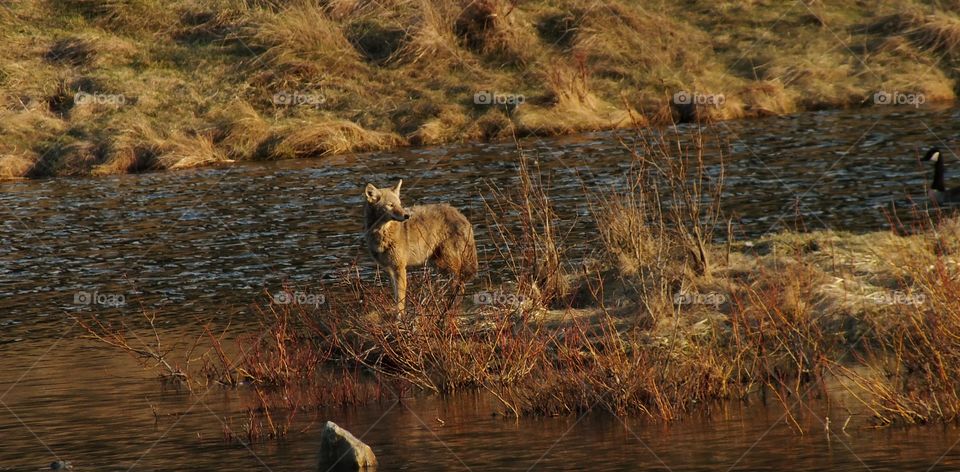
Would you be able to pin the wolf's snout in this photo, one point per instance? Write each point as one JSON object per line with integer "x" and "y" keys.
{"x": 406, "y": 216}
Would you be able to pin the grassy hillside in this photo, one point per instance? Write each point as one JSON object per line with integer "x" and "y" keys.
{"x": 110, "y": 86}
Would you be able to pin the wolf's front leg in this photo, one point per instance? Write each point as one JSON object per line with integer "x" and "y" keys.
{"x": 400, "y": 290}
{"x": 394, "y": 283}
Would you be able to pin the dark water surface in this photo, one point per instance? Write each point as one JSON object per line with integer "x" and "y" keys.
{"x": 206, "y": 244}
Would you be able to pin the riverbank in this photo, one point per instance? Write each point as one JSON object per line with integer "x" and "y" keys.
{"x": 866, "y": 318}
{"x": 91, "y": 89}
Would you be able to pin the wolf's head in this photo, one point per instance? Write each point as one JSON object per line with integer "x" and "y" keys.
{"x": 385, "y": 202}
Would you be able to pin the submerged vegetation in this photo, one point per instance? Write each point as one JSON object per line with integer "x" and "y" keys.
{"x": 669, "y": 314}
{"x": 90, "y": 87}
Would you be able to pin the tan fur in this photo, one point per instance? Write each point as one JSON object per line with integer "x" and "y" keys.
{"x": 399, "y": 239}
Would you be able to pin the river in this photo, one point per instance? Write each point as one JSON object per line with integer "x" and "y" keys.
{"x": 206, "y": 244}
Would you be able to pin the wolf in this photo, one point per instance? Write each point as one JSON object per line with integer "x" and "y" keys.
{"x": 401, "y": 238}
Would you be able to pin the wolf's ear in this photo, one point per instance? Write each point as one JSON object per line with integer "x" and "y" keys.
{"x": 396, "y": 189}
{"x": 371, "y": 193}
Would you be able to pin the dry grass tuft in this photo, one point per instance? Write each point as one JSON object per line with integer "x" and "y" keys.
{"x": 317, "y": 139}
{"x": 240, "y": 130}
{"x": 14, "y": 166}
{"x": 184, "y": 151}
{"x": 625, "y": 230}
{"x": 449, "y": 124}
{"x": 302, "y": 41}
{"x": 768, "y": 98}
{"x": 570, "y": 105}
{"x": 496, "y": 29}
{"x": 22, "y": 145}
{"x": 939, "y": 32}
{"x": 431, "y": 40}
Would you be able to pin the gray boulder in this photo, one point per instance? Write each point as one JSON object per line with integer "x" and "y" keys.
{"x": 340, "y": 450}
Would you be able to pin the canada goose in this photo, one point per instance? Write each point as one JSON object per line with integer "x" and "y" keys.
{"x": 939, "y": 192}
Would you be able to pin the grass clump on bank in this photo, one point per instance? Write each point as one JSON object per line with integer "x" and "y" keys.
{"x": 100, "y": 87}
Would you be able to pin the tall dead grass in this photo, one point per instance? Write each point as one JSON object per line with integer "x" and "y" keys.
{"x": 909, "y": 371}
{"x": 533, "y": 241}
{"x": 673, "y": 201}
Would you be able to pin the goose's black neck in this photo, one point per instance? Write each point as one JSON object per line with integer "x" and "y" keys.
{"x": 938, "y": 175}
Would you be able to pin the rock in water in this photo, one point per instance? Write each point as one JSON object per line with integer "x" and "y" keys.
{"x": 340, "y": 450}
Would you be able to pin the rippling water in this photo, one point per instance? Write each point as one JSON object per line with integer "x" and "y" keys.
{"x": 208, "y": 243}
